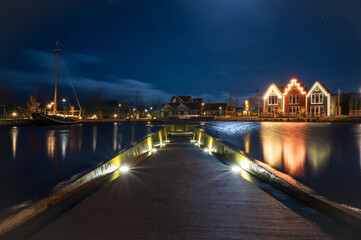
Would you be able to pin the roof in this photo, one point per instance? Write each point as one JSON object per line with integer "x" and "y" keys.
{"x": 214, "y": 106}
{"x": 198, "y": 100}
{"x": 280, "y": 88}
{"x": 185, "y": 98}
{"x": 326, "y": 89}
{"x": 322, "y": 86}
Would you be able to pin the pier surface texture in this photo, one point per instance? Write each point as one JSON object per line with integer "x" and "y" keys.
{"x": 180, "y": 192}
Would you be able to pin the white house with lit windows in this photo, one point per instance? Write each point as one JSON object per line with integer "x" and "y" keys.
{"x": 273, "y": 100}
{"x": 320, "y": 101}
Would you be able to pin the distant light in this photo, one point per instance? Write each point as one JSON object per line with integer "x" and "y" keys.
{"x": 151, "y": 108}
{"x": 64, "y": 100}
{"x": 115, "y": 115}
{"x": 146, "y": 110}
{"x": 148, "y": 115}
{"x": 120, "y": 105}
{"x": 206, "y": 150}
{"x": 154, "y": 150}
{"x": 14, "y": 114}
{"x": 134, "y": 109}
{"x": 236, "y": 169}
{"x": 52, "y": 103}
{"x": 124, "y": 169}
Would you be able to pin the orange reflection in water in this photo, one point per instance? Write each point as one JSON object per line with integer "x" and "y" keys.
{"x": 50, "y": 143}
{"x": 272, "y": 143}
{"x": 284, "y": 146}
{"x": 294, "y": 150}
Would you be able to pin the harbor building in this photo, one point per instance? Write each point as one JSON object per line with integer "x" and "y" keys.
{"x": 320, "y": 101}
{"x": 294, "y": 98}
{"x": 273, "y": 100}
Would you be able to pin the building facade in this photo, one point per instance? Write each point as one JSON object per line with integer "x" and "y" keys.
{"x": 273, "y": 100}
{"x": 294, "y": 98}
{"x": 320, "y": 101}
{"x": 182, "y": 107}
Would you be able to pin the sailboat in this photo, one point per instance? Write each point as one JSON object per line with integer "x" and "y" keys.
{"x": 50, "y": 115}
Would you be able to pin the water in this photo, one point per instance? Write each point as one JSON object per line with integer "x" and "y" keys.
{"x": 325, "y": 157}
{"x": 35, "y": 159}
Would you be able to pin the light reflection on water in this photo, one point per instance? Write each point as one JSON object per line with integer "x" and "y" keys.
{"x": 35, "y": 159}
{"x": 14, "y": 140}
{"x": 326, "y": 157}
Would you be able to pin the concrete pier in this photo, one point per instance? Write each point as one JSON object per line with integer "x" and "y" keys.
{"x": 181, "y": 192}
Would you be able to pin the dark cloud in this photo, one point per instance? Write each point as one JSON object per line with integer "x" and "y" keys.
{"x": 185, "y": 47}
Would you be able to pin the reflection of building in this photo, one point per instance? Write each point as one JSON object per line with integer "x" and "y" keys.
{"x": 294, "y": 151}
{"x": 294, "y": 97}
{"x": 272, "y": 143}
{"x": 273, "y": 99}
{"x": 318, "y": 153}
{"x": 320, "y": 101}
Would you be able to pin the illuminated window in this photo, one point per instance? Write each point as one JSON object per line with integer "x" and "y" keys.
{"x": 316, "y": 98}
{"x": 272, "y": 100}
{"x": 294, "y": 99}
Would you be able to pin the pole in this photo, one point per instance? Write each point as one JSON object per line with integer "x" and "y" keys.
{"x": 56, "y": 74}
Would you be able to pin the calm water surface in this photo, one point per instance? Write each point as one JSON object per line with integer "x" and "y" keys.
{"x": 323, "y": 156}
{"x": 35, "y": 159}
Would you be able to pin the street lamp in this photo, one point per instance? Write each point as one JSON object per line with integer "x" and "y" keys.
{"x": 146, "y": 110}
{"x": 151, "y": 108}
{"x": 64, "y": 100}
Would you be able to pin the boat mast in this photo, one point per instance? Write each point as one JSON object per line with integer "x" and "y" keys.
{"x": 56, "y": 74}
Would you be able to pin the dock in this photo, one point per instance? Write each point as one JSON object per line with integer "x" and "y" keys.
{"x": 183, "y": 192}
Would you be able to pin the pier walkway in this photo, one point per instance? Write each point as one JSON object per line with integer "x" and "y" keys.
{"x": 180, "y": 192}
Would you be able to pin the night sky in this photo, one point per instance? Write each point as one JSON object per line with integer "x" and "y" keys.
{"x": 157, "y": 49}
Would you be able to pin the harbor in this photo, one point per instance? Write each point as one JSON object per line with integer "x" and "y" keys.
{"x": 177, "y": 163}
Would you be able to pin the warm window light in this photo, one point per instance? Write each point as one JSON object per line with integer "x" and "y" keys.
{"x": 124, "y": 169}
{"x": 236, "y": 169}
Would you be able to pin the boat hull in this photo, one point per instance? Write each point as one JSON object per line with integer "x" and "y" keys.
{"x": 42, "y": 119}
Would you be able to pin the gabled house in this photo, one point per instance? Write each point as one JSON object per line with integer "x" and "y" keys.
{"x": 320, "y": 101}
{"x": 273, "y": 99}
{"x": 183, "y": 107}
{"x": 294, "y": 98}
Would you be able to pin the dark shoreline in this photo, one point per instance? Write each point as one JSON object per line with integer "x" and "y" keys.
{"x": 24, "y": 122}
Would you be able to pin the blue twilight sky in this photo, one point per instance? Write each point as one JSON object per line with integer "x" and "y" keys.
{"x": 159, "y": 48}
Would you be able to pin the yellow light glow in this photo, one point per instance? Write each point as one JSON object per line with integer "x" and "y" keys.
{"x": 154, "y": 150}
{"x": 14, "y": 114}
{"x": 272, "y": 87}
{"x": 236, "y": 169}
{"x": 124, "y": 169}
{"x": 245, "y": 164}
{"x": 294, "y": 83}
{"x": 206, "y": 150}
{"x": 115, "y": 115}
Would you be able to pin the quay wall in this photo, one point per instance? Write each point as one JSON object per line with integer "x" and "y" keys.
{"x": 284, "y": 182}
{"x": 128, "y": 157}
